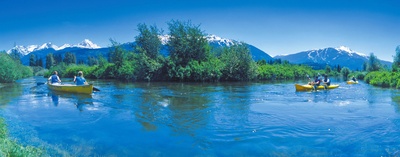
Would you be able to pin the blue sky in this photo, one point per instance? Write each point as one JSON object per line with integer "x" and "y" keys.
{"x": 276, "y": 27}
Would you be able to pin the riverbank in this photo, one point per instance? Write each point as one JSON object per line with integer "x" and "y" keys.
{"x": 9, "y": 147}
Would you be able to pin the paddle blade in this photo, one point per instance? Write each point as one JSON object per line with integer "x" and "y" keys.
{"x": 96, "y": 89}
{"x": 39, "y": 83}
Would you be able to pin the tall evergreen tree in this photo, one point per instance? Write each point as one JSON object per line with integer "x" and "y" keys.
{"x": 32, "y": 60}
{"x": 50, "y": 61}
{"x": 396, "y": 60}
{"x": 69, "y": 58}
{"x": 39, "y": 62}
{"x": 92, "y": 61}
{"x": 57, "y": 58}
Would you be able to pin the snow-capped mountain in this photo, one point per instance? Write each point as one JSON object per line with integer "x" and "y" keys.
{"x": 87, "y": 44}
{"x": 210, "y": 38}
{"x": 86, "y": 48}
{"x": 343, "y": 56}
{"x": 216, "y": 42}
{"x": 25, "y": 50}
{"x": 220, "y": 41}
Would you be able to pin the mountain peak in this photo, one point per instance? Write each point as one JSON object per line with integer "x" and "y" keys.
{"x": 344, "y": 48}
{"x": 47, "y": 46}
{"x": 348, "y": 50}
{"x": 88, "y": 44}
{"x": 219, "y": 40}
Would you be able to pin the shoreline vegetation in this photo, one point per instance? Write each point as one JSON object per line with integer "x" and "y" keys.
{"x": 190, "y": 59}
{"x": 9, "y": 148}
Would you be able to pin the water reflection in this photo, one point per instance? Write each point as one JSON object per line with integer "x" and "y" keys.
{"x": 396, "y": 101}
{"x": 180, "y": 106}
{"x": 79, "y": 100}
{"x": 54, "y": 98}
{"x": 8, "y": 91}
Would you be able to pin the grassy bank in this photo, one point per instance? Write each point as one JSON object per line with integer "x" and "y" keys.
{"x": 10, "y": 148}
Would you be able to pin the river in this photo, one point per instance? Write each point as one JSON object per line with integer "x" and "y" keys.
{"x": 204, "y": 119}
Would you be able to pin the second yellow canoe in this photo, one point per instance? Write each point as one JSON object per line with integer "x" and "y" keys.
{"x": 310, "y": 87}
{"x": 352, "y": 82}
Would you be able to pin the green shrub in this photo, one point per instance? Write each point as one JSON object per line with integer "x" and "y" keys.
{"x": 11, "y": 70}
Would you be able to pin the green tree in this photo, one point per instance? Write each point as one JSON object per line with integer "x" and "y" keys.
{"x": 92, "y": 61}
{"x": 69, "y": 58}
{"x": 39, "y": 62}
{"x": 239, "y": 65}
{"x": 11, "y": 70}
{"x": 328, "y": 69}
{"x": 373, "y": 63}
{"x": 15, "y": 55}
{"x": 49, "y": 61}
{"x": 149, "y": 61}
{"x": 57, "y": 58}
{"x": 396, "y": 60}
{"x": 32, "y": 60}
{"x": 345, "y": 72}
{"x": 148, "y": 40}
{"x": 187, "y": 42}
{"x": 117, "y": 54}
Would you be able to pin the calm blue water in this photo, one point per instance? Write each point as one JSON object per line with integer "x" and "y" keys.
{"x": 204, "y": 119}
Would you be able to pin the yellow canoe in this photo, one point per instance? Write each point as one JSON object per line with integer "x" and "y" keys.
{"x": 352, "y": 82}
{"x": 71, "y": 88}
{"x": 310, "y": 87}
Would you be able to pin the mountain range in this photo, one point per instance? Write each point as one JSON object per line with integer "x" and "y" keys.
{"x": 343, "y": 56}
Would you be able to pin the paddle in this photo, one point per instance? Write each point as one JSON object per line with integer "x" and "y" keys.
{"x": 96, "y": 89}
{"x": 313, "y": 86}
{"x": 40, "y": 83}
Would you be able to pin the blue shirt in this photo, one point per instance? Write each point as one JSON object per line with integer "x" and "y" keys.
{"x": 80, "y": 80}
{"x": 54, "y": 79}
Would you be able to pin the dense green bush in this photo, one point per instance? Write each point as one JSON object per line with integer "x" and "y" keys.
{"x": 383, "y": 79}
{"x": 284, "y": 71}
{"x": 11, "y": 70}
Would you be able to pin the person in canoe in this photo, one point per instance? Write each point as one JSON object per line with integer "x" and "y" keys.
{"x": 316, "y": 83}
{"x": 326, "y": 81}
{"x": 54, "y": 79}
{"x": 354, "y": 79}
{"x": 80, "y": 80}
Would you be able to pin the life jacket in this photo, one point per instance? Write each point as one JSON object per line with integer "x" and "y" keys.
{"x": 80, "y": 80}
{"x": 54, "y": 79}
{"x": 328, "y": 82}
{"x": 317, "y": 80}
